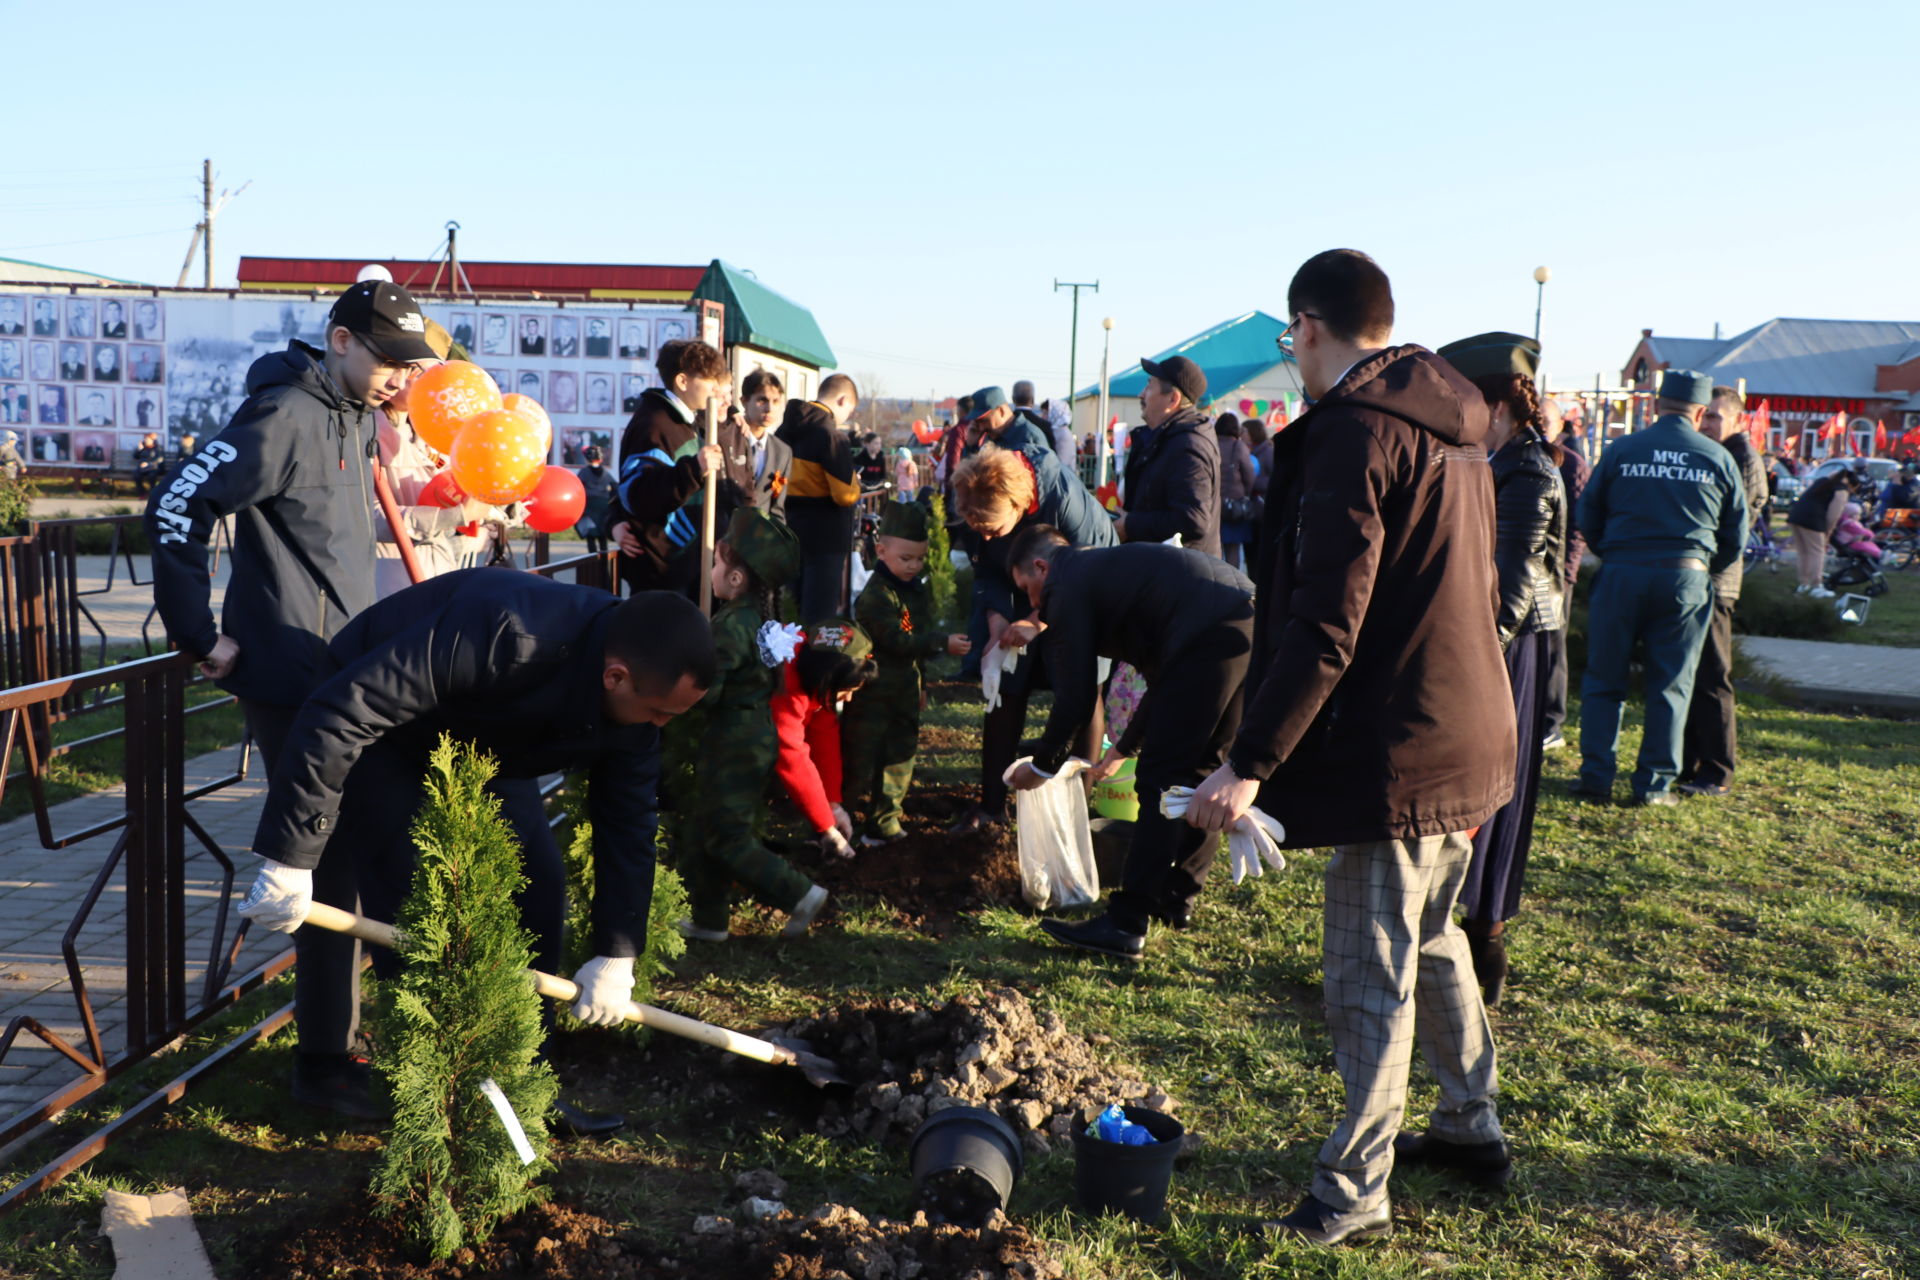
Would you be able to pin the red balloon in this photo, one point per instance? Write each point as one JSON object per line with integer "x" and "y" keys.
{"x": 441, "y": 491}
{"x": 557, "y": 502}
{"x": 923, "y": 433}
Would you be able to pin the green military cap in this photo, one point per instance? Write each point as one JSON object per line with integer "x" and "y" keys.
{"x": 842, "y": 636}
{"x": 764, "y": 545}
{"x": 906, "y": 520}
{"x": 1686, "y": 387}
{"x": 987, "y": 399}
{"x": 1488, "y": 355}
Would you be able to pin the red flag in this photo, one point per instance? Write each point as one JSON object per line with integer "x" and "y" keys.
{"x": 1760, "y": 427}
{"x": 1879, "y": 438}
{"x": 1793, "y": 445}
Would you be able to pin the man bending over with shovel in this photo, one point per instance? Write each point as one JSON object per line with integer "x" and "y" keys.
{"x": 545, "y": 676}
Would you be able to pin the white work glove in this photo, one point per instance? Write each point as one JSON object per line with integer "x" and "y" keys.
{"x": 1253, "y": 839}
{"x": 606, "y": 990}
{"x": 834, "y": 843}
{"x": 279, "y": 898}
{"x": 994, "y": 664}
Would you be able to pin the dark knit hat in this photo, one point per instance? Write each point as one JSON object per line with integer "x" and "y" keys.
{"x": 764, "y": 545}
{"x": 1684, "y": 386}
{"x": 1493, "y": 354}
{"x": 842, "y": 636}
{"x": 906, "y": 520}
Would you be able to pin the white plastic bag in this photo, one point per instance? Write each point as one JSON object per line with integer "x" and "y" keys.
{"x": 857, "y": 576}
{"x": 1056, "y": 844}
{"x": 1254, "y": 838}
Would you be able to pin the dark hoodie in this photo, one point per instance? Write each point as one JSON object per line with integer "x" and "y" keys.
{"x": 1378, "y": 704}
{"x": 292, "y": 470}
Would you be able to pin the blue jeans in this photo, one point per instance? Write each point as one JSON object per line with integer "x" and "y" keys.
{"x": 1668, "y": 609}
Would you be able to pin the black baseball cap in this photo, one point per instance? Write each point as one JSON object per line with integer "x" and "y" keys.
{"x": 1179, "y": 372}
{"x": 385, "y": 316}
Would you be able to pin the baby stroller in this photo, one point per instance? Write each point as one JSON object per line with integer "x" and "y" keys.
{"x": 1855, "y": 565}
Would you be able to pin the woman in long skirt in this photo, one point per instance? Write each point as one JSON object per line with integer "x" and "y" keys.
{"x": 1530, "y": 552}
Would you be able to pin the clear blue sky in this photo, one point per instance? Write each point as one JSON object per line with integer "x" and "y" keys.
{"x": 919, "y": 175}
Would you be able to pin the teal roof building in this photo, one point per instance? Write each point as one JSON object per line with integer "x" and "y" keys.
{"x": 763, "y": 319}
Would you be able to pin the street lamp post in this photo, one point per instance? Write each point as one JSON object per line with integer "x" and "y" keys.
{"x": 1100, "y": 443}
{"x": 1540, "y": 277}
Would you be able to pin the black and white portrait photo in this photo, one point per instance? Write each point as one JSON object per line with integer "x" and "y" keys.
{"x": 106, "y": 362}
{"x": 95, "y": 406}
{"x": 143, "y": 409}
{"x": 50, "y": 406}
{"x": 634, "y": 342}
{"x": 113, "y": 319}
{"x": 527, "y": 383}
{"x": 52, "y": 446}
{"x": 563, "y": 392}
{"x": 147, "y": 325}
{"x": 631, "y": 387}
{"x": 666, "y": 331}
{"x": 145, "y": 362}
{"x": 599, "y": 338}
{"x": 575, "y": 440}
{"x": 13, "y": 316}
{"x": 496, "y": 335}
{"x": 73, "y": 361}
{"x": 12, "y": 362}
{"x": 40, "y": 364}
{"x": 599, "y": 393}
{"x": 566, "y": 337}
{"x": 82, "y": 319}
{"x": 15, "y": 403}
{"x": 533, "y": 336}
{"x": 502, "y": 378}
{"x": 461, "y": 327}
{"x": 46, "y": 318}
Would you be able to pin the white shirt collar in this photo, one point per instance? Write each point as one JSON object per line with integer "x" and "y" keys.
{"x": 679, "y": 405}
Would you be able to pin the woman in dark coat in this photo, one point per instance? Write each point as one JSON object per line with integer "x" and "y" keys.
{"x": 1530, "y": 552}
{"x": 1236, "y": 486}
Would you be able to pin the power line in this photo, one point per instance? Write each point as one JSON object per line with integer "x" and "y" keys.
{"x": 947, "y": 364}
{"x": 56, "y": 244}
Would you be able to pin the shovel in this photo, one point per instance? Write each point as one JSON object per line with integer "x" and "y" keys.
{"x": 819, "y": 1071}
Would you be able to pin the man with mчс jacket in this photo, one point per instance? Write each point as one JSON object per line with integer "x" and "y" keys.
{"x": 1173, "y": 463}
{"x": 545, "y": 677}
{"x": 1709, "y": 744}
{"x": 1184, "y": 620}
{"x": 294, "y": 470}
{"x": 1382, "y": 724}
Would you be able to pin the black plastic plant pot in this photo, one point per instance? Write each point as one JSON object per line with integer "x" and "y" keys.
{"x": 966, "y": 1161}
{"x": 1110, "y": 1177}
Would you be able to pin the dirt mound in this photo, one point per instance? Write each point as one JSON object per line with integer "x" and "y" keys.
{"x": 928, "y": 876}
{"x": 552, "y": 1240}
{"x": 907, "y": 1062}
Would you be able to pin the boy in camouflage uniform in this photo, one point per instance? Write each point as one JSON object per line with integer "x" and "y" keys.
{"x": 736, "y": 747}
{"x": 880, "y": 730}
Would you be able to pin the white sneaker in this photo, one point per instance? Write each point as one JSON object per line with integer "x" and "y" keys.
{"x": 689, "y": 929}
{"x": 1820, "y": 593}
{"x": 804, "y": 913}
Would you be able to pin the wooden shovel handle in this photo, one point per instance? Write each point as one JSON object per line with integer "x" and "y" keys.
{"x": 674, "y": 1024}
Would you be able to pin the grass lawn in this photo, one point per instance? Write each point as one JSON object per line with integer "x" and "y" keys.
{"x": 1710, "y": 1059}
{"x": 1770, "y": 608}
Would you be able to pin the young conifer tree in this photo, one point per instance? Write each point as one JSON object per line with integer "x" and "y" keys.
{"x": 940, "y": 562}
{"x": 461, "y": 1011}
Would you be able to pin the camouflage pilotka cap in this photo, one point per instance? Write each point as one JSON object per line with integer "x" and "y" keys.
{"x": 764, "y": 545}
{"x": 842, "y": 636}
{"x": 907, "y": 520}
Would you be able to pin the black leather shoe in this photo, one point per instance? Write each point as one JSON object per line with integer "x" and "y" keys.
{"x": 1656, "y": 800}
{"x": 569, "y": 1121}
{"x": 1177, "y": 915}
{"x": 340, "y": 1082}
{"x": 1484, "y": 1164}
{"x": 1579, "y": 792}
{"x": 1320, "y": 1222}
{"x": 1702, "y": 789}
{"x": 1099, "y": 934}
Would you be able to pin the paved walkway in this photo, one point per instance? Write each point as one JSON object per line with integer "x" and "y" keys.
{"x": 41, "y": 889}
{"x": 1871, "y": 676}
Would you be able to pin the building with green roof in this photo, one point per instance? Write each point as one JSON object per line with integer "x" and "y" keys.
{"x": 767, "y": 330}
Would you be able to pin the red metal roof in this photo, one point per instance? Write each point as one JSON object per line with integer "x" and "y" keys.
{"x": 552, "y": 279}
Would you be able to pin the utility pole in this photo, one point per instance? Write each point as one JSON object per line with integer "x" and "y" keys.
{"x": 203, "y": 233}
{"x": 1073, "y": 348}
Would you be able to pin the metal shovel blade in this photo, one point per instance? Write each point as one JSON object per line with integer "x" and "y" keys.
{"x": 820, "y": 1072}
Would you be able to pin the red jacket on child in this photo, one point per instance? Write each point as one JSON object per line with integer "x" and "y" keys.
{"x": 809, "y": 761}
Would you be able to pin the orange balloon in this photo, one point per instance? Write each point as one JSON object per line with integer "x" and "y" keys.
{"x": 443, "y": 398}
{"x": 497, "y": 456}
{"x": 531, "y": 407}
